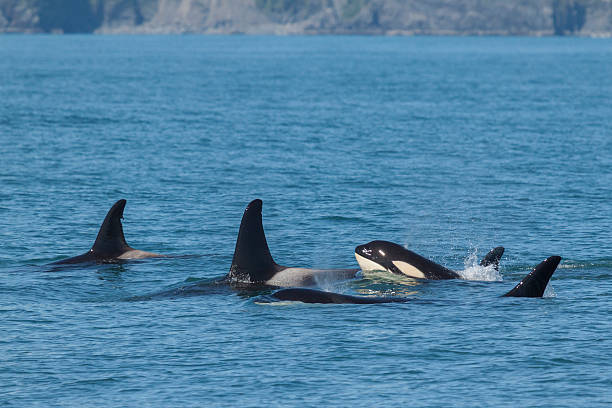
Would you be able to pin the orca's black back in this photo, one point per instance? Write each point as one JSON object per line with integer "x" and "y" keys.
{"x": 319, "y": 296}
{"x": 110, "y": 242}
{"x": 493, "y": 257}
{"x": 534, "y": 284}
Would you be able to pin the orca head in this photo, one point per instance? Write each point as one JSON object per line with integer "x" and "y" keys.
{"x": 380, "y": 255}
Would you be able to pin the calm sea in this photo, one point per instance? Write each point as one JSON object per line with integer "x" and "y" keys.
{"x": 449, "y": 146}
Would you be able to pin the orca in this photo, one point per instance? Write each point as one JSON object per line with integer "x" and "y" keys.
{"x": 532, "y": 285}
{"x": 305, "y": 295}
{"x": 110, "y": 245}
{"x": 253, "y": 264}
{"x": 391, "y": 257}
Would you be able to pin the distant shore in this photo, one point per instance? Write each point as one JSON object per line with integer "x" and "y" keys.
{"x": 585, "y": 18}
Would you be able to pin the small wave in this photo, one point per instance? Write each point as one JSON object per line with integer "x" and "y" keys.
{"x": 191, "y": 279}
{"x": 190, "y": 287}
{"x": 341, "y": 218}
{"x": 95, "y": 381}
{"x": 269, "y": 302}
{"x": 597, "y": 263}
{"x": 390, "y": 292}
{"x": 186, "y": 256}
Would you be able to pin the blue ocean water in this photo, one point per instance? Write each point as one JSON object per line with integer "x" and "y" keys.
{"x": 449, "y": 146}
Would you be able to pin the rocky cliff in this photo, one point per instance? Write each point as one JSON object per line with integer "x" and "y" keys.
{"x": 405, "y": 17}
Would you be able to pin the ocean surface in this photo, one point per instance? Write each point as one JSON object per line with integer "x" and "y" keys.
{"x": 448, "y": 146}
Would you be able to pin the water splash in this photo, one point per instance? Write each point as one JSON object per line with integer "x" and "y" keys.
{"x": 327, "y": 282}
{"x": 549, "y": 292}
{"x": 474, "y": 271}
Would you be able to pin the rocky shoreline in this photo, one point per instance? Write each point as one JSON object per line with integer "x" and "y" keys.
{"x": 282, "y": 17}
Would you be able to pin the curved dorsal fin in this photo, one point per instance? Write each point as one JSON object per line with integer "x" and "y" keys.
{"x": 534, "y": 284}
{"x": 252, "y": 260}
{"x": 493, "y": 257}
{"x": 110, "y": 239}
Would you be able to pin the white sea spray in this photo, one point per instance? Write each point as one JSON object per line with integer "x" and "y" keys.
{"x": 474, "y": 271}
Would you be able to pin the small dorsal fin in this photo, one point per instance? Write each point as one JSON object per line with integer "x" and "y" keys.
{"x": 493, "y": 257}
{"x": 110, "y": 240}
{"x": 252, "y": 260}
{"x": 534, "y": 284}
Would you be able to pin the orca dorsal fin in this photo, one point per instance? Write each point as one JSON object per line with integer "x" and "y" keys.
{"x": 110, "y": 240}
{"x": 493, "y": 257}
{"x": 252, "y": 260}
{"x": 534, "y": 284}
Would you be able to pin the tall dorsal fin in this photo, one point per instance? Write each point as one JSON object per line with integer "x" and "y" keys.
{"x": 534, "y": 284}
{"x": 110, "y": 240}
{"x": 493, "y": 257}
{"x": 252, "y": 260}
